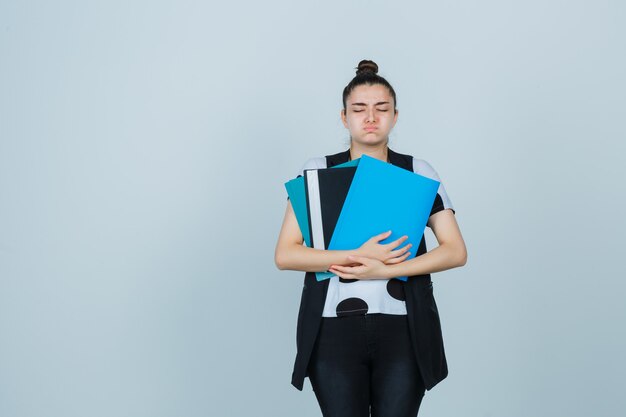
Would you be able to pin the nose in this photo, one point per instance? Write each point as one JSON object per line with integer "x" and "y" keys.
{"x": 370, "y": 115}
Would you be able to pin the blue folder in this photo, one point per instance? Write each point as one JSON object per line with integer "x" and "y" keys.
{"x": 384, "y": 197}
{"x": 297, "y": 196}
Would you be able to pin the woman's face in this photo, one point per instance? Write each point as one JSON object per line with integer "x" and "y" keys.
{"x": 369, "y": 114}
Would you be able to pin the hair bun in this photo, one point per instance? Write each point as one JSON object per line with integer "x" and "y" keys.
{"x": 367, "y": 66}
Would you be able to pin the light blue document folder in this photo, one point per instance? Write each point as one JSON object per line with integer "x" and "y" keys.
{"x": 384, "y": 197}
{"x": 297, "y": 196}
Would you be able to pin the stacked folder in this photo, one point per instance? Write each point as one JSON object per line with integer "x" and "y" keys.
{"x": 340, "y": 208}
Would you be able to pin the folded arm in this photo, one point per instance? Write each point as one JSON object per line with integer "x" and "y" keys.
{"x": 450, "y": 253}
{"x": 291, "y": 254}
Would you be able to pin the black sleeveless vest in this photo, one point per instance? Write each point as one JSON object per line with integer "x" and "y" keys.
{"x": 422, "y": 313}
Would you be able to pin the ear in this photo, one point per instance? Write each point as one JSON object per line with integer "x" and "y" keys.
{"x": 343, "y": 118}
{"x": 395, "y": 117}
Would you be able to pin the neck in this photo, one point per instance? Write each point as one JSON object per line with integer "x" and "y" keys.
{"x": 375, "y": 151}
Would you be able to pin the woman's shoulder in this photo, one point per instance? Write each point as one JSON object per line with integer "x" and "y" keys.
{"x": 315, "y": 162}
{"x": 420, "y": 166}
{"x": 423, "y": 167}
{"x": 318, "y": 162}
{"x": 442, "y": 201}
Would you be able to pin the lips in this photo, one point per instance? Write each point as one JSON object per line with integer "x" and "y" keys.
{"x": 371, "y": 129}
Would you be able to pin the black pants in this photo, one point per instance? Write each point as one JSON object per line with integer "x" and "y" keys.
{"x": 362, "y": 361}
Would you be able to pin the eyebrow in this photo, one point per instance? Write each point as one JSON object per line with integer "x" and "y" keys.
{"x": 363, "y": 104}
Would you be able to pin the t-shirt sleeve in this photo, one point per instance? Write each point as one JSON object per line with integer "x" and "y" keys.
{"x": 312, "y": 163}
{"x": 442, "y": 200}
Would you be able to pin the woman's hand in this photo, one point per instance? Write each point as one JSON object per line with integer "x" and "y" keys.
{"x": 387, "y": 253}
{"x": 366, "y": 268}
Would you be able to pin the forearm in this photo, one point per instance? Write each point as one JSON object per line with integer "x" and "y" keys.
{"x": 441, "y": 258}
{"x": 302, "y": 258}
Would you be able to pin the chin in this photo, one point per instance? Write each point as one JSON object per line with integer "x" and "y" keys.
{"x": 371, "y": 141}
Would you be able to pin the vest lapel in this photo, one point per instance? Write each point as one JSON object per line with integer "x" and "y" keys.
{"x": 397, "y": 159}
{"x": 338, "y": 158}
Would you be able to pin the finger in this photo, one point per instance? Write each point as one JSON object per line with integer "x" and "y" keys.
{"x": 337, "y": 268}
{"x": 381, "y": 236}
{"x": 355, "y": 270}
{"x": 343, "y": 266}
{"x": 343, "y": 275}
{"x": 398, "y": 259}
{"x": 360, "y": 259}
{"x": 344, "y": 269}
{"x": 399, "y": 252}
{"x": 352, "y": 264}
{"x": 397, "y": 242}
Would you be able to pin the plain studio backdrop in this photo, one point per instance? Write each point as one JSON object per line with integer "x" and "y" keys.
{"x": 143, "y": 151}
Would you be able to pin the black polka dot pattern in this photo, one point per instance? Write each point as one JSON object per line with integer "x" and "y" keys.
{"x": 395, "y": 288}
{"x": 347, "y": 280}
{"x": 352, "y": 306}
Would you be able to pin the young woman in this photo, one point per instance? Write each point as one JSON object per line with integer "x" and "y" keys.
{"x": 364, "y": 339}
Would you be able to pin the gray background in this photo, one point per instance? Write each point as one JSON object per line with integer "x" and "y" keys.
{"x": 143, "y": 150}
